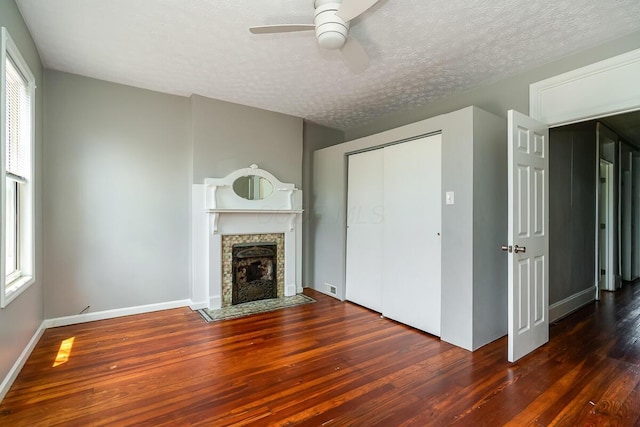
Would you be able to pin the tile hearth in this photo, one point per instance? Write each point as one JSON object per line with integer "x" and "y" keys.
{"x": 254, "y": 307}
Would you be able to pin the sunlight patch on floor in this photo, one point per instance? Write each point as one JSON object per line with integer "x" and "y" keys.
{"x": 64, "y": 352}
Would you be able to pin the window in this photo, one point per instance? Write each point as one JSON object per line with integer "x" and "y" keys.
{"x": 16, "y": 167}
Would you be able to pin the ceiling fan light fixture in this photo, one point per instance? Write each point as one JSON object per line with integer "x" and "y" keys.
{"x": 331, "y": 40}
{"x": 331, "y": 30}
{"x": 331, "y": 21}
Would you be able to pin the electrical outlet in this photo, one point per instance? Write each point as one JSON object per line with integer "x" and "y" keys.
{"x": 331, "y": 289}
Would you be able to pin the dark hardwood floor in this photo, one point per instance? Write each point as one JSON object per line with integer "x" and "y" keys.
{"x": 328, "y": 364}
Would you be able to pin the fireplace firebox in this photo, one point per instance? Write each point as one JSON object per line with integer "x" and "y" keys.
{"x": 254, "y": 275}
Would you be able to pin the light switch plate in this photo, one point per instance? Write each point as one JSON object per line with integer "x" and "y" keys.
{"x": 449, "y": 198}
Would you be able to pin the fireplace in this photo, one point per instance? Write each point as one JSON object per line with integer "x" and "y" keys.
{"x": 223, "y": 218}
{"x": 254, "y": 272}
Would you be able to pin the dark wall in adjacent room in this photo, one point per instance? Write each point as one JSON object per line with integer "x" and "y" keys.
{"x": 572, "y": 204}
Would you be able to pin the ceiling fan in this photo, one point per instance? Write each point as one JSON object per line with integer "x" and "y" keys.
{"x": 331, "y": 23}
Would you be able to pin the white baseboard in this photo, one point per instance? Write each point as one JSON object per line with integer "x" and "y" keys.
{"x": 568, "y": 305}
{"x": 7, "y": 382}
{"x": 109, "y": 314}
{"x": 82, "y": 318}
{"x": 198, "y": 305}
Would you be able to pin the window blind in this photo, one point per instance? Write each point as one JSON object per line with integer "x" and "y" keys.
{"x": 18, "y": 126}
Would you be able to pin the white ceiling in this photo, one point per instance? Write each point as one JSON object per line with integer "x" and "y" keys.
{"x": 420, "y": 50}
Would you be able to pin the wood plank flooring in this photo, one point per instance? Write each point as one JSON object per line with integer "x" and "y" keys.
{"x": 328, "y": 364}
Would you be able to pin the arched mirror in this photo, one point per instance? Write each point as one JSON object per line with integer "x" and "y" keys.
{"x": 252, "y": 187}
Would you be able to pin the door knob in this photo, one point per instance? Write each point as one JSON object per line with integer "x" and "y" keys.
{"x": 518, "y": 249}
{"x": 506, "y": 248}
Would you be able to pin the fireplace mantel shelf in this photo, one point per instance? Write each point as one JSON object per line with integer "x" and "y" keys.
{"x": 217, "y": 212}
{"x": 257, "y": 211}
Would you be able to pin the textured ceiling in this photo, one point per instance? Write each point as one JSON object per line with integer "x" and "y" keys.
{"x": 420, "y": 50}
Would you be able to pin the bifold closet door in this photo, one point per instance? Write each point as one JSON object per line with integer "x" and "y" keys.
{"x": 411, "y": 238}
{"x": 365, "y": 202}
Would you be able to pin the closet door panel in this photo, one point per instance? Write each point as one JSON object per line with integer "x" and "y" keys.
{"x": 364, "y": 229}
{"x": 411, "y": 240}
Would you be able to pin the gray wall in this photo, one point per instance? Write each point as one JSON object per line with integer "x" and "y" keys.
{"x": 463, "y": 225}
{"x": 226, "y": 137}
{"x": 572, "y": 204}
{"x": 315, "y": 138}
{"x": 116, "y": 196}
{"x": 120, "y": 162}
{"x": 490, "y": 293}
{"x": 20, "y": 320}
{"x": 499, "y": 97}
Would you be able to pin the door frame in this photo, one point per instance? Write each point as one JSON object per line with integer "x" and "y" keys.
{"x": 626, "y": 214}
{"x": 606, "y": 197}
{"x": 601, "y": 89}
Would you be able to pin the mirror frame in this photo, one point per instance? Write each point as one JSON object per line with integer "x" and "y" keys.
{"x": 249, "y": 192}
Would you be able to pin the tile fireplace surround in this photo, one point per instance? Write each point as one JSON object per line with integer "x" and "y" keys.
{"x": 229, "y": 240}
{"x": 218, "y": 211}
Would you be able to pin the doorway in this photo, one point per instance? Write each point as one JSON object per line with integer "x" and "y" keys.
{"x": 589, "y": 230}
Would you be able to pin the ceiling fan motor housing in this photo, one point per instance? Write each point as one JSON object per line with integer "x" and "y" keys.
{"x": 331, "y": 30}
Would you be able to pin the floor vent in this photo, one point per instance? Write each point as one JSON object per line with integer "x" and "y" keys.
{"x": 331, "y": 289}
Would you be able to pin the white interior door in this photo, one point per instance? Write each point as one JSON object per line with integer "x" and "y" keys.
{"x": 365, "y": 215}
{"x": 412, "y": 247}
{"x": 528, "y": 183}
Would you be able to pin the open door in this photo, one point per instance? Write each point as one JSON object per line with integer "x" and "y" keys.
{"x": 528, "y": 246}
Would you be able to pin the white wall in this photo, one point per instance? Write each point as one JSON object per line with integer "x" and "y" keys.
{"x": 21, "y": 319}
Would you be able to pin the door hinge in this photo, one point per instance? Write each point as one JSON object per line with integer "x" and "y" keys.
{"x": 603, "y": 226}
{"x": 603, "y": 180}
{"x": 603, "y": 272}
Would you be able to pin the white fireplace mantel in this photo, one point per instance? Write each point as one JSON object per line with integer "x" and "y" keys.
{"x": 290, "y": 216}
{"x": 217, "y": 210}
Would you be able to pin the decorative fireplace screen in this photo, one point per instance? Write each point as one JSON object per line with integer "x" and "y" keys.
{"x": 254, "y": 272}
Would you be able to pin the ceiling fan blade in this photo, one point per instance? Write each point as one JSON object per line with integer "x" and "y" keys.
{"x": 268, "y": 29}
{"x": 355, "y": 56}
{"x": 350, "y": 9}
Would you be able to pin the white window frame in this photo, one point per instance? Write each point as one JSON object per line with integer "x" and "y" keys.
{"x": 26, "y": 219}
